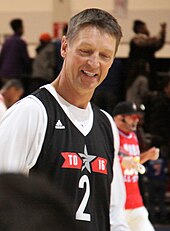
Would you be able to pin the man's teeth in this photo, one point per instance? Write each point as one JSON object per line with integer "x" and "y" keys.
{"x": 89, "y": 73}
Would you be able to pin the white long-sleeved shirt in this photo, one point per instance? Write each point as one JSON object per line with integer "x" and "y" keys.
{"x": 22, "y": 132}
{"x": 3, "y": 107}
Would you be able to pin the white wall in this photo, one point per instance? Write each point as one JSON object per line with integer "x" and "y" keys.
{"x": 80, "y": 5}
{"x": 153, "y": 12}
{"x": 39, "y": 16}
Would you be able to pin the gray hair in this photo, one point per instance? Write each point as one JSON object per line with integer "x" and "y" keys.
{"x": 98, "y": 18}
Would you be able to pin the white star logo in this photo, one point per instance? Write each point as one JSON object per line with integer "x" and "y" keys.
{"x": 86, "y": 159}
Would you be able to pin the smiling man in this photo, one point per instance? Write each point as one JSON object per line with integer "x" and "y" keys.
{"x": 58, "y": 133}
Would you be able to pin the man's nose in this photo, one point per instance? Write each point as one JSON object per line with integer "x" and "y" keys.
{"x": 94, "y": 61}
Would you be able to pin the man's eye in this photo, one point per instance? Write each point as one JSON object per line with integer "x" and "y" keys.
{"x": 85, "y": 51}
{"x": 105, "y": 56}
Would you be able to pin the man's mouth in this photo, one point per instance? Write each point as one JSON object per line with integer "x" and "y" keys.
{"x": 88, "y": 73}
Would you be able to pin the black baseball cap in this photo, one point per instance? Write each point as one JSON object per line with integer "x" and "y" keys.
{"x": 126, "y": 108}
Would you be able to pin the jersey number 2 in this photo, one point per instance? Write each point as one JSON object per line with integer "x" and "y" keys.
{"x": 80, "y": 214}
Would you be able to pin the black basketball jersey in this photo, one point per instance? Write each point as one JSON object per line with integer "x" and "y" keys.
{"x": 80, "y": 166}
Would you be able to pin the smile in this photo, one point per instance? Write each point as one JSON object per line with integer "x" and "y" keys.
{"x": 90, "y": 74}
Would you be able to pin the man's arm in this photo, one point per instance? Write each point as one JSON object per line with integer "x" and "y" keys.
{"x": 150, "y": 154}
{"x": 152, "y": 42}
{"x": 26, "y": 60}
{"x": 3, "y": 108}
{"x": 118, "y": 192}
{"x": 130, "y": 162}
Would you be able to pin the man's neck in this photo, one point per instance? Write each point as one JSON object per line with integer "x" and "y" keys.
{"x": 73, "y": 97}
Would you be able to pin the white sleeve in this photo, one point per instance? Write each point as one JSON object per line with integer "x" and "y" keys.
{"x": 118, "y": 191}
{"x": 2, "y": 109}
{"x": 22, "y": 132}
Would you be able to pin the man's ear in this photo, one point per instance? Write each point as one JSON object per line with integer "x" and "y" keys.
{"x": 123, "y": 118}
{"x": 120, "y": 118}
{"x": 64, "y": 45}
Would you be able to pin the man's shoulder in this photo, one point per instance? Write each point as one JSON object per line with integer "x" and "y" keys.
{"x": 28, "y": 105}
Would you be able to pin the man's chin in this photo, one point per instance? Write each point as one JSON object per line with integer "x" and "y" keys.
{"x": 133, "y": 128}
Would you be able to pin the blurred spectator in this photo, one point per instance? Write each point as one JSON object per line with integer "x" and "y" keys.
{"x": 44, "y": 62}
{"x": 158, "y": 117}
{"x": 112, "y": 89}
{"x": 14, "y": 58}
{"x": 158, "y": 125}
{"x": 11, "y": 92}
{"x": 157, "y": 187}
{"x": 126, "y": 117}
{"x": 32, "y": 204}
{"x": 137, "y": 84}
{"x": 144, "y": 46}
{"x": 58, "y": 57}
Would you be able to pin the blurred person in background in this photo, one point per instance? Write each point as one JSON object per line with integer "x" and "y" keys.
{"x": 126, "y": 117}
{"x": 137, "y": 83}
{"x": 112, "y": 89}
{"x": 44, "y": 62}
{"x": 157, "y": 177}
{"x": 158, "y": 116}
{"x": 10, "y": 93}
{"x": 14, "y": 57}
{"x": 158, "y": 125}
{"x": 144, "y": 46}
{"x": 57, "y": 47}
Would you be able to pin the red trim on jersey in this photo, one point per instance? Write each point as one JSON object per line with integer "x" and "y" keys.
{"x": 100, "y": 165}
{"x": 74, "y": 161}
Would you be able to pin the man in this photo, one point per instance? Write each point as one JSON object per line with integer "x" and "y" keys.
{"x": 44, "y": 61}
{"x": 64, "y": 137}
{"x": 159, "y": 116}
{"x": 10, "y": 93}
{"x": 14, "y": 57}
{"x": 111, "y": 91}
{"x": 126, "y": 117}
{"x": 144, "y": 46}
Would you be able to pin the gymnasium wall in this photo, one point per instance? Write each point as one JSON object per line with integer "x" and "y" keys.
{"x": 40, "y": 15}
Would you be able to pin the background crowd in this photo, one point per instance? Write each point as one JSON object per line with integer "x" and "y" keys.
{"x": 136, "y": 79}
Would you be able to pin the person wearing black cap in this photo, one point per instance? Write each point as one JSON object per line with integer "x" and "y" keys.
{"x": 127, "y": 116}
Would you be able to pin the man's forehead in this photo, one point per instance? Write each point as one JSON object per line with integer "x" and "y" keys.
{"x": 133, "y": 116}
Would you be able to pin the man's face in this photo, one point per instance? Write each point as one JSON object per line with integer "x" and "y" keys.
{"x": 87, "y": 59}
{"x": 131, "y": 122}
